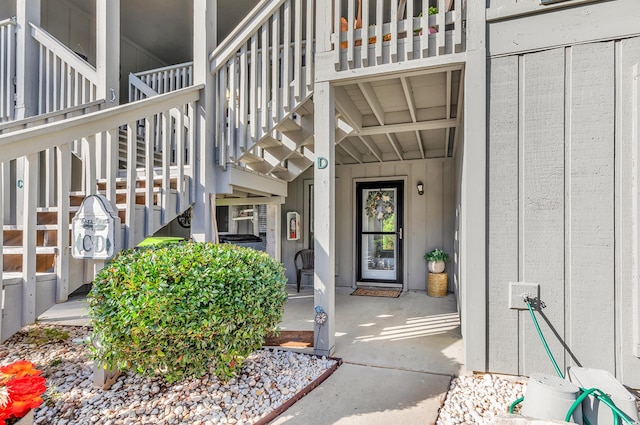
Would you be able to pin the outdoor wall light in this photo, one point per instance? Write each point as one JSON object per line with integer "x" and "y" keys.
{"x": 420, "y": 188}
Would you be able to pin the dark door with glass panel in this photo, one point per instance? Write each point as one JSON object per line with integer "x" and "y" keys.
{"x": 379, "y": 230}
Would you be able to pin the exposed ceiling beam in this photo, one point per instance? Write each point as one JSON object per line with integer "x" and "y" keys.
{"x": 351, "y": 151}
{"x": 408, "y": 94}
{"x": 459, "y": 111}
{"x": 345, "y": 105}
{"x": 372, "y": 100}
{"x": 448, "y": 97}
{"x": 395, "y": 144}
{"x": 375, "y": 151}
{"x": 419, "y": 139}
{"x": 409, "y": 126}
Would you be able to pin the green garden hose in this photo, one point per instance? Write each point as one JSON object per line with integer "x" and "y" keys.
{"x": 598, "y": 394}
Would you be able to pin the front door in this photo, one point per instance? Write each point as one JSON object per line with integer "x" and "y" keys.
{"x": 379, "y": 233}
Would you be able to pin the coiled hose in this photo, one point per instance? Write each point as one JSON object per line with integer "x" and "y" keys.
{"x": 598, "y": 394}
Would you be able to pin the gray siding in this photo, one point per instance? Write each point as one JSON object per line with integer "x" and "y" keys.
{"x": 560, "y": 24}
{"x": 559, "y": 135}
{"x": 429, "y": 219}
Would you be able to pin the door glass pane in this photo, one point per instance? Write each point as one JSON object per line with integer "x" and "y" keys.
{"x": 379, "y": 210}
{"x": 379, "y": 257}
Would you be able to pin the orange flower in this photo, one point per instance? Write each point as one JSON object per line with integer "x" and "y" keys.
{"x": 19, "y": 369}
{"x": 26, "y": 388}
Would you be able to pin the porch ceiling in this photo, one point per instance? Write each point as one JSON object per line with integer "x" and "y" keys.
{"x": 164, "y": 28}
{"x": 401, "y": 117}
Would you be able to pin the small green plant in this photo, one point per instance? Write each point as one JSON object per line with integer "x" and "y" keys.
{"x": 43, "y": 336}
{"x": 182, "y": 310}
{"x": 55, "y": 362}
{"x": 436, "y": 255}
{"x": 433, "y": 10}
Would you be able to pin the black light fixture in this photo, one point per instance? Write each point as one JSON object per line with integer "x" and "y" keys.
{"x": 420, "y": 188}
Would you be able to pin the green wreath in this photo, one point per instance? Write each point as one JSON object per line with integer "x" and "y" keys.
{"x": 380, "y": 205}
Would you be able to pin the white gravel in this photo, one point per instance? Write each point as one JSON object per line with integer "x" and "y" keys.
{"x": 477, "y": 399}
{"x": 267, "y": 380}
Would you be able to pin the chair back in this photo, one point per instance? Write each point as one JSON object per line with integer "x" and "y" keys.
{"x": 306, "y": 257}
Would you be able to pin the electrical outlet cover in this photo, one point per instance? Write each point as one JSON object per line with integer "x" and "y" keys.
{"x": 517, "y": 291}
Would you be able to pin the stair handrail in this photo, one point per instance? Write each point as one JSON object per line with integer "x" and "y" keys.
{"x": 243, "y": 32}
{"x": 10, "y": 126}
{"x": 135, "y": 83}
{"x": 64, "y": 53}
{"x": 36, "y": 139}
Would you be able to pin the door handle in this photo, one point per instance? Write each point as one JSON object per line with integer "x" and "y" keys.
{"x": 400, "y": 233}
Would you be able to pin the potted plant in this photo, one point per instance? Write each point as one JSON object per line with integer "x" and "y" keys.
{"x": 435, "y": 260}
{"x": 431, "y": 11}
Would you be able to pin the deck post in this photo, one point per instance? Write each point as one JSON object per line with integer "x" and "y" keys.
{"x": 473, "y": 222}
{"x": 108, "y": 70}
{"x": 204, "y": 41}
{"x": 27, "y": 11}
{"x": 324, "y": 215}
{"x": 27, "y": 62}
{"x": 274, "y": 231}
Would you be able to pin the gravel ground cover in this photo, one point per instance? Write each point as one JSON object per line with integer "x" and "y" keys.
{"x": 478, "y": 399}
{"x": 268, "y": 379}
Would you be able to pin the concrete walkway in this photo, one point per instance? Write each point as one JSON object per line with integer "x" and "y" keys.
{"x": 399, "y": 356}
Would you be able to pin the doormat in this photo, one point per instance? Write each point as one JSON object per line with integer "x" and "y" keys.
{"x": 290, "y": 339}
{"x": 368, "y": 292}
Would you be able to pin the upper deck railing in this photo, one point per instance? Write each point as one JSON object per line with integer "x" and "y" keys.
{"x": 160, "y": 80}
{"x": 375, "y": 32}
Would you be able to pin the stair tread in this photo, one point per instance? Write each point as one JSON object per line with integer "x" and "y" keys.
{"x": 9, "y": 227}
{"x": 39, "y": 250}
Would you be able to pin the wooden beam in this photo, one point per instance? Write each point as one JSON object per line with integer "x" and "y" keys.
{"x": 372, "y": 100}
{"x": 448, "y": 97}
{"x": 345, "y": 105}
{"x": 419, "y": 139}
{"x": 408, "y": 94}
{"x": 351, "y": 151}
{"x": 372, "y": 147}
{"x": 393, "y": 139}
{"x": 456, "y": 136}
{"x": 256, "y": 200}
{"x": 410, "y": 126}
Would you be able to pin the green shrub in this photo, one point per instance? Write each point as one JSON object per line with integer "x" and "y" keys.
{"x": 182, "y": 310}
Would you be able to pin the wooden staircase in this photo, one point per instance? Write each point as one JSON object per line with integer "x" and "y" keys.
{"x": 145, "y": 172}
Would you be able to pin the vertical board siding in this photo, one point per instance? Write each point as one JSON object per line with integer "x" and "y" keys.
{"x": 563, "y": 207}
{"x": 542, "y": 201}
{"x": 627, "y": 212}
{"x": 503, "y": 210}
{"x": 590, "y": 209}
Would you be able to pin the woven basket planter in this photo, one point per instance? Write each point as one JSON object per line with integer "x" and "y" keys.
{"x": 437, "y": 284}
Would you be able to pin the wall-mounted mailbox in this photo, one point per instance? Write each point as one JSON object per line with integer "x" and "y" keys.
{"x": 293, "y": 226}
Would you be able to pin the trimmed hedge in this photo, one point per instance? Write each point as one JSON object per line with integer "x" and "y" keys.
{"x": 182, "y": 310}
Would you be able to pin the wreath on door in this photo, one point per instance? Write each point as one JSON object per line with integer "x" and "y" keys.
{"x": 380, "y": 205}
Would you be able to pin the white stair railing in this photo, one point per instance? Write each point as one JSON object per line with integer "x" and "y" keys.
{"x": 160, "y": 80}
{"x": 263, "y": 72}
{"x": 147, "y": 198}
{"x": 7, "y": 69}
{"x": 66, "y": 80}
{"x": 398, "y": 31}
